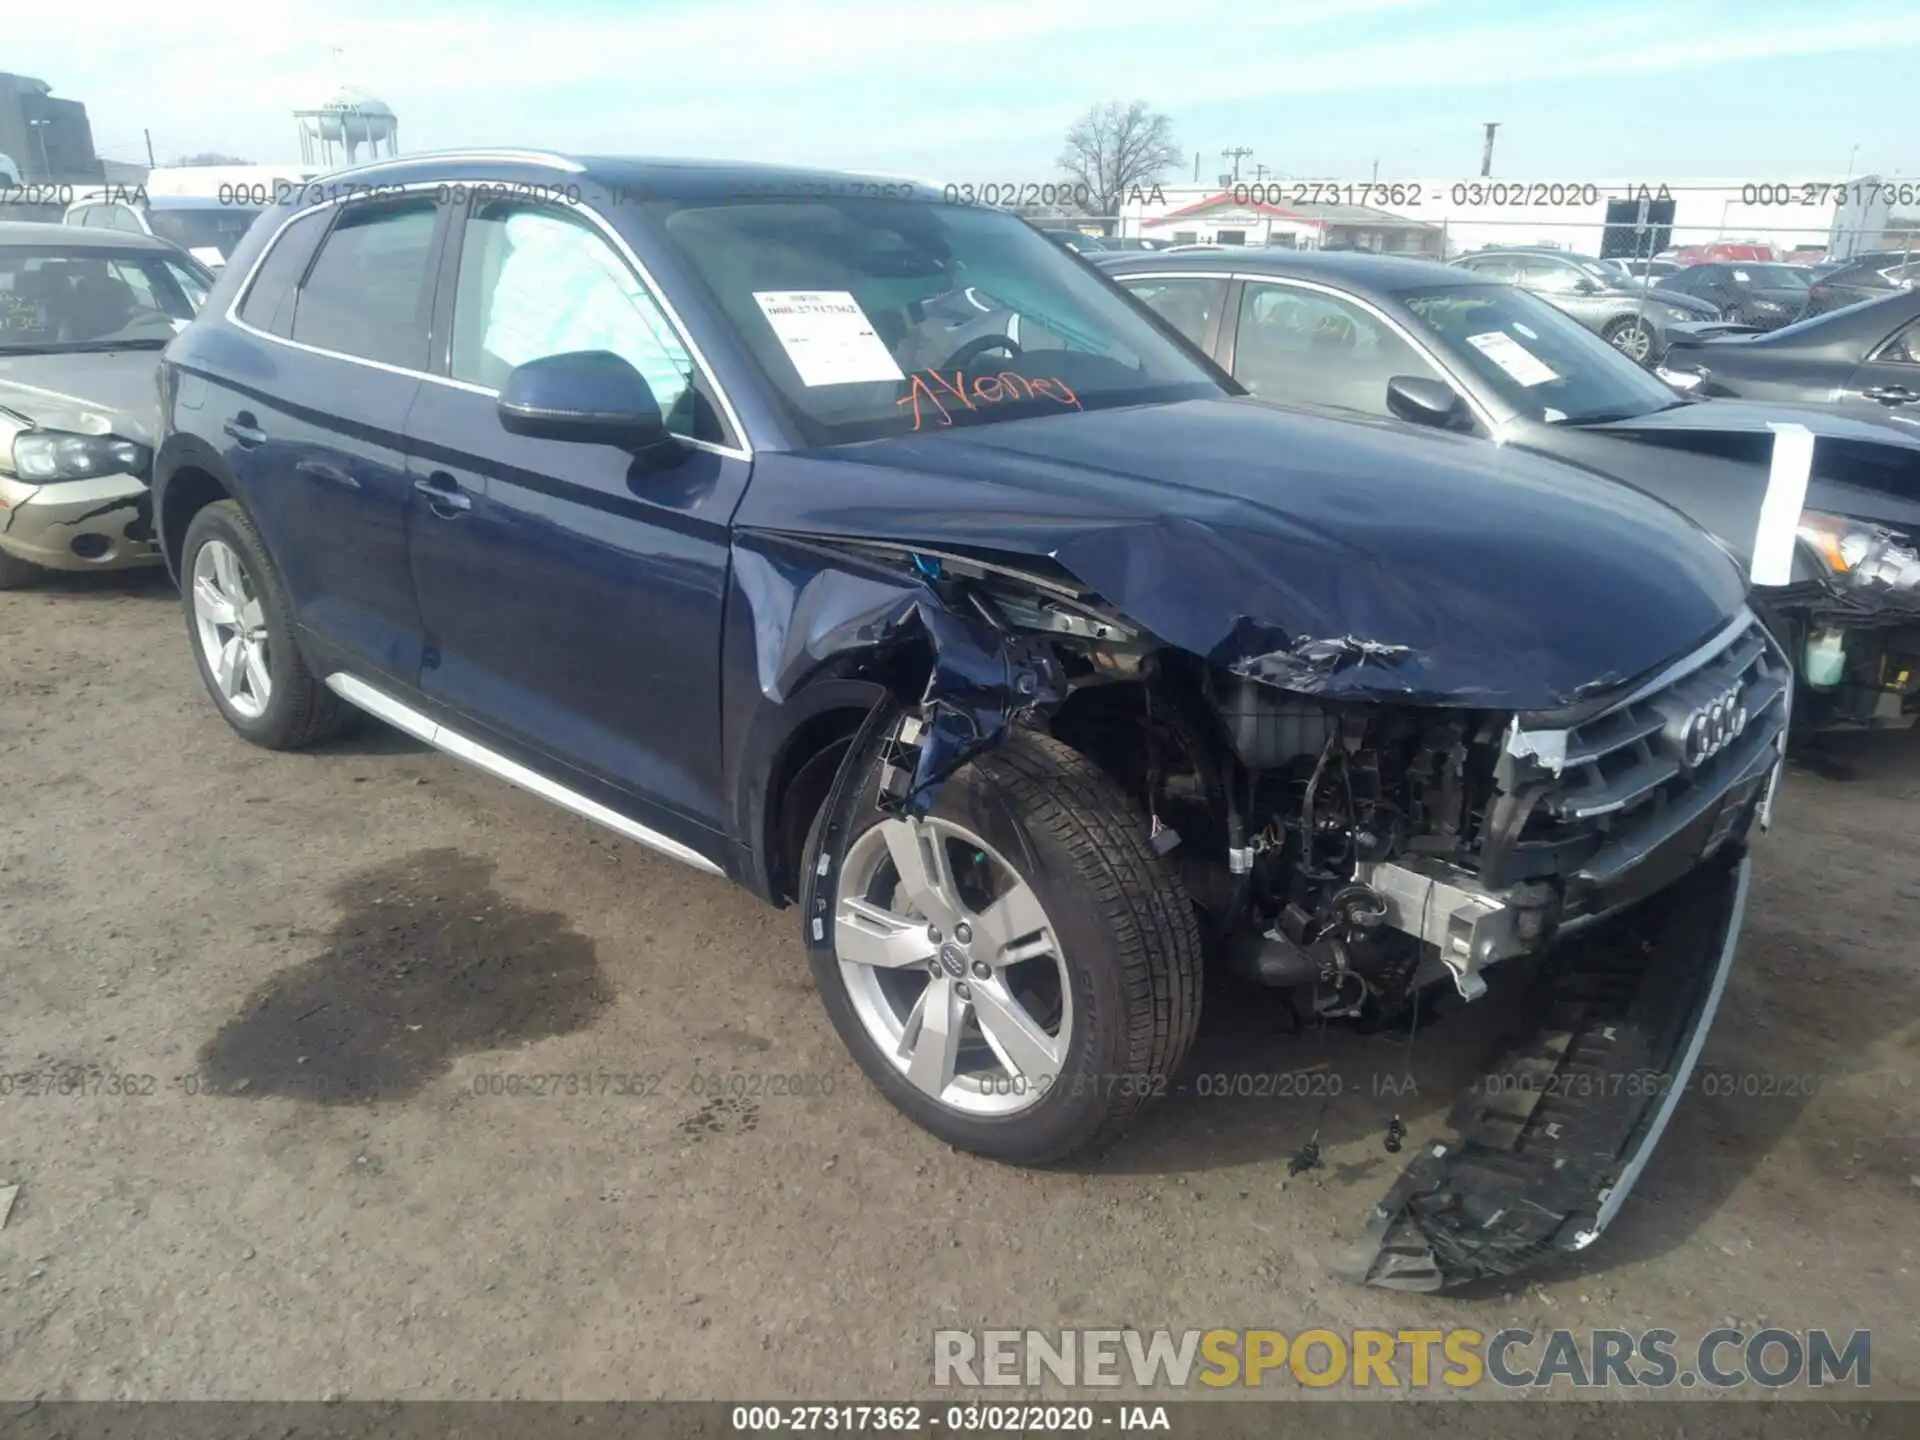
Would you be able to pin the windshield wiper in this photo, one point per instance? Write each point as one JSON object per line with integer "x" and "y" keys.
{"x": 95, "y": 347}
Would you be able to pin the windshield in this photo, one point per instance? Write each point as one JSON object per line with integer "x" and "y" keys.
{"x": 222, "y": 227}
{"x": 1543, "y": 364}
{"x": 876, "y": 317}
{"x": 74, "y": 299}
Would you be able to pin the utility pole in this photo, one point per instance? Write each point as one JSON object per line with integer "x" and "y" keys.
{"x": 1376, "y": 172}
{"x": 150, "y": 161}
{"x": 1196, "y": 167}
{"x": 1260, "y": 172}
{"x": 1486, "y": 153}
{"x": 1235, "y": 153}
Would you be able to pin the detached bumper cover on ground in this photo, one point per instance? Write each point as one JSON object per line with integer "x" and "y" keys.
{"x": 1554, "y": 1135}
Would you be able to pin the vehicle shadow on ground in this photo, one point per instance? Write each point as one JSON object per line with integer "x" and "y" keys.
{"x": 146, "y": 584}
{"x": 1258, "y": 1085}
{"x": 426, "y": 961}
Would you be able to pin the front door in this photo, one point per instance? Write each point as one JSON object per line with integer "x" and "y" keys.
{"x": 572, "y": 594}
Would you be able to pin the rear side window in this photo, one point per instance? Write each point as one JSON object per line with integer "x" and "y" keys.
{"x": 268, "y": 304}
{"x": 1190, "y": 304}
{"x": 370, "y": 291}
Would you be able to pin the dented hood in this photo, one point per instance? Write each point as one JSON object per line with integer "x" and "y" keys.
{"x": 111, "y": 392}
{"x": 1341, "y": 558}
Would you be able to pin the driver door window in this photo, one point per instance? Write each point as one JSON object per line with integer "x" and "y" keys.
{"x": 1303, "y": 347}
{"x": 534, "y": 282}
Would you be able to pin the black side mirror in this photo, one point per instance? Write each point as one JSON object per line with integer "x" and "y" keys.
{"x": 591, "y": 396}
{"x": 1423, "y": 401}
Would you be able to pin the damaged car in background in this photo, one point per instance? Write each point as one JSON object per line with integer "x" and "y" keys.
{"x": 83, "y": 318}
{"x": 1036, "y": 672}
{"x": 1385, "y": 336}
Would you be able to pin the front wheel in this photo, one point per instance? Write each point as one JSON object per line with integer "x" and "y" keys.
{"x": 1018, "y": 972}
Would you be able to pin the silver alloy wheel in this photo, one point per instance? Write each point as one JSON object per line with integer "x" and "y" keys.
{"x": 233, "y": 630}
{"x": 1633, "y": 341}
{"x": 952, "y": 966}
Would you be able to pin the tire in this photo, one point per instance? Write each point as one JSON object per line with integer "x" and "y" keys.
{"x": 17, "y": 574}
{"x": 1120, "y": 940}
{"x": 1633, "y": 339}
{"x": 296, "y": 709}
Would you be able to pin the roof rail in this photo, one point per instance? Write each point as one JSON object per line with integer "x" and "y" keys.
{"x": 523, "y": 157}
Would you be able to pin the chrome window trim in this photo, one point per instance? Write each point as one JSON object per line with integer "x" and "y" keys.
{"x": 743, "y": 451}
{"x": 403, "y": 716}
{"x": 1495, "y": 428}
{"x": 483, "y": 155}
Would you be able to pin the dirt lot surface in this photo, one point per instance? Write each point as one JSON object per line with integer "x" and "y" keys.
{"x": 316, "y": 971}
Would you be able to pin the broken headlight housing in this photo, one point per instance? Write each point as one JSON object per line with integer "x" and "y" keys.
{"x": 42, "y": 456}
{"x": 1859, "y": 552}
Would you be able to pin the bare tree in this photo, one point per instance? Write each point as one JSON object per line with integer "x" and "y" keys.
{"x": 214, "y": 157}
{"x": 1115, "y": 147}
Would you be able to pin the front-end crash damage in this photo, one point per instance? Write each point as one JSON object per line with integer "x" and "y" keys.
{"x": 1359, "y": 819}
{"x": 1853, "y": 628}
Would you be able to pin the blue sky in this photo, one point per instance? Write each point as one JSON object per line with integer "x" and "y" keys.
{"x": 983, "y": 90}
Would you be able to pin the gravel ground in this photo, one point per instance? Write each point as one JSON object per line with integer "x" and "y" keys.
{"x": 262, "y": 942}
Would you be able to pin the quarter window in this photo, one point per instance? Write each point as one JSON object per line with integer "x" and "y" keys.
{"x": 534, "y": 283}
{"x": 371, "y": 287}
{"x": 1904, "y": 348}
{"x": 1189, "y": 305}
{"x": 1307, "y": 348}
{"x": 269, "y": 302}
{"x": 1551, "y": 277}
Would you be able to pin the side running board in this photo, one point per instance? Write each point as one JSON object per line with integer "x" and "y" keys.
{"x": 402, "y": 716}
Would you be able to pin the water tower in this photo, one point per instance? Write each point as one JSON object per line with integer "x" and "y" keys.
{"x": 352, "y": 127}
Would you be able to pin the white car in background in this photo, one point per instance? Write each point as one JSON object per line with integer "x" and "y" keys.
{"x": 204, "y": 209}
{"x": 84, "y": 315}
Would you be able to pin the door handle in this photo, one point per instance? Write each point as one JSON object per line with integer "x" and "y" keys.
{"x": 1891, "y": 394}
{"x": 443, "y": 493}
{"x": 242, "y": 429}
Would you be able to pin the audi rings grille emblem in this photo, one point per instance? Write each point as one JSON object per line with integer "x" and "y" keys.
{"x": 1711, "y": 727}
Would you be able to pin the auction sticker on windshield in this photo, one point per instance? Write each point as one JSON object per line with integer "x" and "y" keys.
{"x": 828, "y": 337}
{"x": 1511, "y": 356}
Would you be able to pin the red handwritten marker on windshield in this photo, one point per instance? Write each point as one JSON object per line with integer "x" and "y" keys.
{"x": 934, "y": 390}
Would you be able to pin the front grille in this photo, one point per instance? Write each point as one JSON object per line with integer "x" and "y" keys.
{"x": 1668, "y": 770}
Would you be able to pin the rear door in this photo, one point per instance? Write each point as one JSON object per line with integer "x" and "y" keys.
{"x": 572, "y": 594}
{"x": 1192, "y": 304}
{"x": 1888, "y": 383}
{"x": 343, "y": 301}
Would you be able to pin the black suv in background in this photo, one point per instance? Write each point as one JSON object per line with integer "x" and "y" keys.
{"x": 1635, "y": 320}
{"x": 1750, "y": 292}
{"x": 1037, "y": 666}
{"x": 1864, "y": 277}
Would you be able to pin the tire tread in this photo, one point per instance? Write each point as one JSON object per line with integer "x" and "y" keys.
{"x": 1138, "y": 894}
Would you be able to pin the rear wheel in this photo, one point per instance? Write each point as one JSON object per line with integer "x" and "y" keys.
{"x": 241, "y": 626}
{"x": 1018, "y": 972}
{"x": 1631, "y": 338}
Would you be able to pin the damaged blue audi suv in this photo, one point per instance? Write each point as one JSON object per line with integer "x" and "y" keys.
{"x": 1036, "y": 664}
